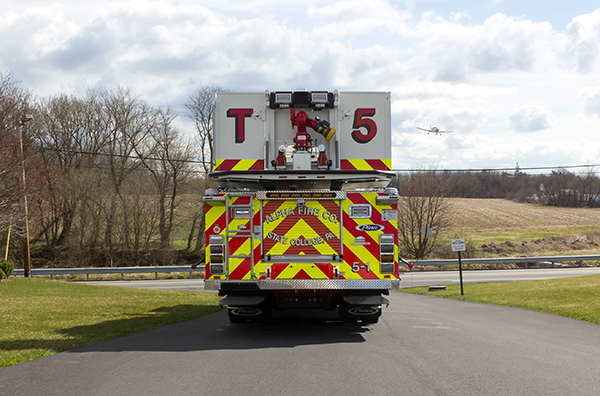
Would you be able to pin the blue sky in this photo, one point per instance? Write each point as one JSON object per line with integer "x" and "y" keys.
{"x": 517, "y": 81}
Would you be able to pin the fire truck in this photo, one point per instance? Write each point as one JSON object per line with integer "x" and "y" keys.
{"x": 303, "y": 216}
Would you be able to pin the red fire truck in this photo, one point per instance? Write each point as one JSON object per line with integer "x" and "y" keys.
{"x": 303, "y": 217}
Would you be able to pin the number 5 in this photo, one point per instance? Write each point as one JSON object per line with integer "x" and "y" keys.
{"x": 361, "y": 120}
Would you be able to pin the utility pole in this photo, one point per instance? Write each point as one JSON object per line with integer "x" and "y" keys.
{"x": 25, "y": 238}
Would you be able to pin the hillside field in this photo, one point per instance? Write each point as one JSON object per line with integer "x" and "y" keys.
{"x": 523, "y": 228}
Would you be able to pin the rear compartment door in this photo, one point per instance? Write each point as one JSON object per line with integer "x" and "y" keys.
{"x": 302, "y": 234}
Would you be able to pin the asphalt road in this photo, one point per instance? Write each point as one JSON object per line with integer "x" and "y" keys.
{"x": 422, "y": 345}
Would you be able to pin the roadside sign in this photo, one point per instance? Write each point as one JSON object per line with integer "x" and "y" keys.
{"x": 459, "y": 245}
{"x": 426, "y": 231}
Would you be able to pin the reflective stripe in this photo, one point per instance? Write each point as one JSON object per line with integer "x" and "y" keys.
{"x": 366, "y": 164}
{"x": 244, "y": 164}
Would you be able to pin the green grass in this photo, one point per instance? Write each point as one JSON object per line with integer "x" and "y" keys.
{"x": 577, "y": 298}
{"x": 42, "y": 317}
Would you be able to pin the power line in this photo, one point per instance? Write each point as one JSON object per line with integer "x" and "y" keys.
{"x": 513, "y": 169}
{"x": 42, "y": 149}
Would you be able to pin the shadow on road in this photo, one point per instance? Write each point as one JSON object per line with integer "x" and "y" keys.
{"x": 286, "y": 329}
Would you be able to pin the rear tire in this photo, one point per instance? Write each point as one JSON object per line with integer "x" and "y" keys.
{"x": 263, "y": 312}
{"x": 233, "y": 318}
{"x": 371, "y": 319}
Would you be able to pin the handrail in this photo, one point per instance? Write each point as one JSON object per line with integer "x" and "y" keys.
{"x": 552, "y": 260}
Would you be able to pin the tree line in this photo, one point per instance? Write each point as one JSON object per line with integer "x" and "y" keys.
{"x": 560, "y": 187}
{"x": 103, "y": 178}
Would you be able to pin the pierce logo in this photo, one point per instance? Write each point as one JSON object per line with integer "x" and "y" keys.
{"x": 363, "y": 311}
{"x": 370, "y": 227}
{"x": 245, "y": 311}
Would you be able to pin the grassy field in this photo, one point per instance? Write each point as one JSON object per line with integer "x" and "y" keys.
{"x": 483, "y": 221}
{"x": 577, "y": 298}
{"x": 42, "y": 317}
{"x": 486, "y": 220}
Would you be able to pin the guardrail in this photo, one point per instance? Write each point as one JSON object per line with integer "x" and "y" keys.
{"x": 112, "y": 270}
{"x": 549, "y": 261}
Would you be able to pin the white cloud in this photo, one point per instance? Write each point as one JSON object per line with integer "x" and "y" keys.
{"x": 579, "y": 46}
{"x": 502, "y": 44}
{"x": 532, "y": 119}
{"x": 591, "y": 101}
{"x": 449, "y": 71}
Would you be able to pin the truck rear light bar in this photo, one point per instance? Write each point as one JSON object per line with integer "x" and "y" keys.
{"x": 301, "y": 99}
{"x": 386, "y": 253}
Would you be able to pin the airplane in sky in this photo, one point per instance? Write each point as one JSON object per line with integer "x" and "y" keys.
{"x": 435, "y": 130}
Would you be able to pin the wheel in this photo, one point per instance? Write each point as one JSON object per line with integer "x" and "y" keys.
{"x": 234, "y": 317}
{"x": 372, "y": 319}
{"x": 352, "y": 313}
{"x": 345, "y": 316}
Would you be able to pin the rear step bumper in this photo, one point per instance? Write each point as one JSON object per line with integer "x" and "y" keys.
{"x": 303, "y": 284}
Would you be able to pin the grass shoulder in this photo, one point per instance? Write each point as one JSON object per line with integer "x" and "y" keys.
{"x": 42, "y": 317}
{"x": 577, "y": 298}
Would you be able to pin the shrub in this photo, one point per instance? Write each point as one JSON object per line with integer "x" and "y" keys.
{"x": 6, "y": 268}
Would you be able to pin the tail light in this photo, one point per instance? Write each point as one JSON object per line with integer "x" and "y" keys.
{"x": 217, "y": 254}
{"x": 386, "y": 253}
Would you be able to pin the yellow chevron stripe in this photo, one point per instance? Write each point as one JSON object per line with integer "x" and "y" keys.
{"x": 212, "y": 215}
{"x": 361, "y": 164}
{"x": 293, "y": 269}
{"x": 244, "y": 164}
{"x": 362, "y": 252}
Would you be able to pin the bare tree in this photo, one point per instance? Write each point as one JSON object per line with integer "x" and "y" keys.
{"x": 70, "y": 131}
{"x": 201, "y": 110}
{"x": 128, "y": 121}
{"x": 21, "y": 165}
{"x": 561, "y": 188}
{"x": 169, "y": 167}
{"x": 423, "y": 211}
{"x": 201, "y": 106}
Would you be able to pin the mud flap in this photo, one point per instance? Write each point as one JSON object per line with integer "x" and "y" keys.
{"x": 367, "y": 300}
{"x": 236, "y": 301}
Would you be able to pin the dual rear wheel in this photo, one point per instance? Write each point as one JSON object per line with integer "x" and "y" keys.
{"x": 255, "y": 313}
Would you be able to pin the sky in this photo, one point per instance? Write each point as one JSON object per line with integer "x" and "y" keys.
{"x": 516, "y": 81}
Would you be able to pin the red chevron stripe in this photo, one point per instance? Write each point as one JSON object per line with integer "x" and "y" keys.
{"x": 227, "y": 165}
{"x": 302, "y": 275}
{"x": 377, "y": 164}
{"x": 258, "y": 165}
{"x": 346, "y": 165}
{"x": 241, "y": 270}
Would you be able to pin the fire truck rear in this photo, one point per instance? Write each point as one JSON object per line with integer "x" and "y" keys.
{"x": 303, "y": 217}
